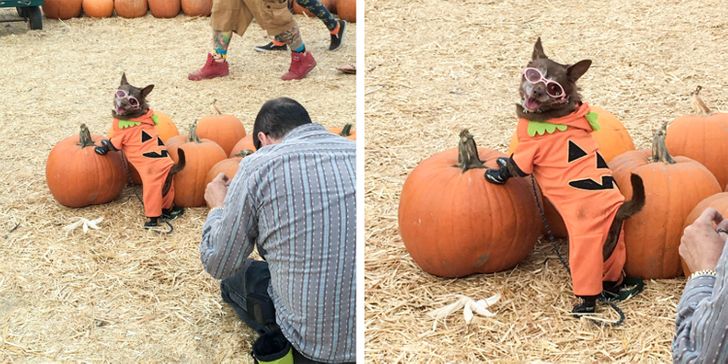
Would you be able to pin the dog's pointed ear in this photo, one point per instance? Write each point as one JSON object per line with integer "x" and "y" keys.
{"x": 123, "y": 79}
{"x": 147, "y": 90}
{"x": 538, "y": 50}
{"x": 575, "y": 71}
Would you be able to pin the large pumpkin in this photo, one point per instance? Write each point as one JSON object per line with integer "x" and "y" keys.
{"x": 298, "y": 9}
{"x": 200, "y": 156}
{"x": 244, "y": 144}
{"x": 719, "y": 201}
{"x": 196, "y": 7}
{"x": 612, "y": 139}
{"x": 130, "y": 8}
{"x": 98, "y": 8}
{"x": 225, "y": 130}
{"x": 62, "y": 9}
{"x": 345, "y": 132}
{"x": 703, "y": 138}
{"x": 673, "y": 186}
{"x": 79, "y": 177}
{"x": 165, "y": 128}
{"x": 454, "y": 223}
{"x": 229, "y": 166}
{"x": 346, "y": 9}
{"x": 164, "y": 8}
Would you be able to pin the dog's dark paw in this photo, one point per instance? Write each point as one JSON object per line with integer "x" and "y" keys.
{"x": 495, "y": 176}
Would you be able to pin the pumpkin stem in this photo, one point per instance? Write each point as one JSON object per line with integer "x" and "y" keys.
{"x": 193, "y": 133}
{"x": 468, "y": 152}
{"x": 84, "y": 137}
{"x": 698, "y": 103}
{"x": 659, "y": 149}
{"x": 243, "y": 153}
{"x": 346, "y": 131}
{"x": 215, "y": 109}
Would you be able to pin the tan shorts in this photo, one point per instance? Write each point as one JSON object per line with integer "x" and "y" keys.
{"x": 236, "y": 15}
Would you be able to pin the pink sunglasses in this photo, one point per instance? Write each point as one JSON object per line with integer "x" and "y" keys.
{"x": 121, "y": 94}
{"x": 553, "y": 88}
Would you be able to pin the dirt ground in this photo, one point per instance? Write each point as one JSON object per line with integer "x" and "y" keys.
{"x": 435, "y": 67}
{"x": 122, "y": 294}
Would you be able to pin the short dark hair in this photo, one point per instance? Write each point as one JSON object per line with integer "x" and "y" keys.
{"x": 277, "y": 117}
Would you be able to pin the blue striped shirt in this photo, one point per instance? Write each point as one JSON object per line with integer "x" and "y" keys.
{"x": 296, "y": 202}
{"x": 702, "y": 318}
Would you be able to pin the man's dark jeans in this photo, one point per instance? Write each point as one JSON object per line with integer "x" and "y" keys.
{"x": 253, "y": 279}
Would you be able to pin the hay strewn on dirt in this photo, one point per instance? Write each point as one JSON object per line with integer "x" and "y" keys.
{"x": 122, "y": 294}
{"x": 435, "y": 67}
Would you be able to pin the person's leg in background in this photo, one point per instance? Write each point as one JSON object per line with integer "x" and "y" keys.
{"x": 335, "y": 26}
{"x": 302, "y": 62}
{"x": 228, "y": 17}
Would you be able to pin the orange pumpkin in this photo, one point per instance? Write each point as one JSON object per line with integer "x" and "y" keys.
{"x": 200, "y": 156}
{"x": 673, "y": 186}
{"x": 298, "y": 9}
{"x": 164, "y": 8}
{"x": 229, "y": 166}
{"x": 719, "y": 201}
{"x": 244, "y": 144}
{"x": 197, "y": 7}
{"x": 702, "y": 138}
{"x": 454, "y": 223}
{"x": 345, "y": 132}
{"x": 98, "y": 8}
{"x": 130, "y": 8}
{"x": 612, "y": 139}
{"x": 62, "y": 9}
{"x": 346, "y": 9}
{"x": 225, "y": 130}
{"x": 78, "y": 177}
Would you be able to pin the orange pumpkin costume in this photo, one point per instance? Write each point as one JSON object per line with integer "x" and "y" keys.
{"x": 564, "y": 159}
{"x": 139, "y": 141}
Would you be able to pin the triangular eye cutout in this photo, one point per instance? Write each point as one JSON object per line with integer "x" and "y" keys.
{"x": 160, "y": 142}
{"x": 575, "y": 152}
{"x": 145, "y": 136}
{"x": 601, "y": 163}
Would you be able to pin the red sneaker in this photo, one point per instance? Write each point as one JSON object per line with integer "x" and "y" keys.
{"x": 211, "y": 69}
{"x": 301, "y": 65}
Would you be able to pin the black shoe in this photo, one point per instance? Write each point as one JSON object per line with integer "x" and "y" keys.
{"x": 271, "y": 47}
{"x": 587, "y": 306}
{"x": 152, "y": 223}
{"x": 338, "y": 38}
{"x": 630, "y": 287}
{"x": 173, "y": 213}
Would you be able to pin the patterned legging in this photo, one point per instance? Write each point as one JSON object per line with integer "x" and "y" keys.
{"x": 318, "y": 9}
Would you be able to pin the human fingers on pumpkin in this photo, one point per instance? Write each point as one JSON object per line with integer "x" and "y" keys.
{"x": 701, "y": 245}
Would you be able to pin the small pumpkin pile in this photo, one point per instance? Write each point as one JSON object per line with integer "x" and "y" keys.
{"x": 66, "y": 9}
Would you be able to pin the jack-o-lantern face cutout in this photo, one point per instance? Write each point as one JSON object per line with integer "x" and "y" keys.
{"x": 576, "y": 153}
{"x": 155, "y": 154}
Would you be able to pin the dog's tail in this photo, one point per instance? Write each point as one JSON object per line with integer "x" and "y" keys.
{"x": 174, "y": 170}
{"x": 637, "y": 202}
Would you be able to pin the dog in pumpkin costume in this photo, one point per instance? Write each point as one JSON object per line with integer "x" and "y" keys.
{"x": 134, "y": 134}
{"x": 556, "y": 146}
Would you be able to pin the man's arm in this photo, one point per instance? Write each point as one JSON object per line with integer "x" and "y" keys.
{"x": 229, "y": 233}
{"x": 702, "y": 314}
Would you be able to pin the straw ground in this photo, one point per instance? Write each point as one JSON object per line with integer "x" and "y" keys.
{"x": 122, "y": 294}
{"x": 435, "y": 67}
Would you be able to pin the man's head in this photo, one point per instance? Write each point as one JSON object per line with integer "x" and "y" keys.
{"x": 276, "y": 118}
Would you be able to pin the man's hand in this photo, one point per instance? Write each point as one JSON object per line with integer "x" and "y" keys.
{"x": 701, "y": 245}
{"x": 216, "y": 191}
